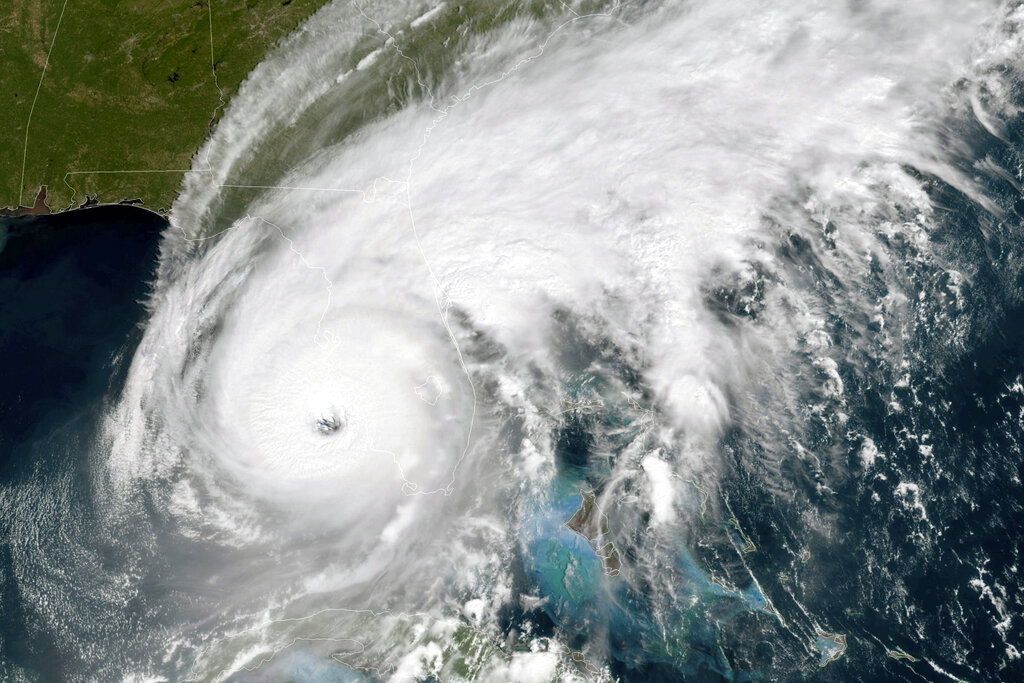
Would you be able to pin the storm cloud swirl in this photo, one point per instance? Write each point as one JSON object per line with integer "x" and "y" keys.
{"x": 446, "y": 277}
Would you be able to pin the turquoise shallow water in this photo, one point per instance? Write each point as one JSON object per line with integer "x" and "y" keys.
{"x": 583, "y": 600}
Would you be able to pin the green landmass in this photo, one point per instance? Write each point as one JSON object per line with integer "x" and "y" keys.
{"x": 128, "y": 90}
{"x": 592, "y": 524}
{"x": 130, "y": 87}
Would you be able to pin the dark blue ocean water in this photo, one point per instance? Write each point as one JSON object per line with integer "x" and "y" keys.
{"x": 71, "y": 293}
{"x": 942, "y": 582}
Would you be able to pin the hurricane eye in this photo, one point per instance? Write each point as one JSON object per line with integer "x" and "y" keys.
{"x": 329, "y": 422}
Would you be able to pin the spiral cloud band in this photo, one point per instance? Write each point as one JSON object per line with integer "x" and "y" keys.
{"x": 478, "y": 327}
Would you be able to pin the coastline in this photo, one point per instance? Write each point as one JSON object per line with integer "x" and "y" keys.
{"x": 38, "y": 208}
{"x": 41, "y": 208}
{"x": 127, "y": 94}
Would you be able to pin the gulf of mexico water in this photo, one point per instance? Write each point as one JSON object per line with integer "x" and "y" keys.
{"x": 72, "y": 288}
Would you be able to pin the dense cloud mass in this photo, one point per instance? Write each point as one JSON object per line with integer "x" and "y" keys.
{"x": 685, "y": 276}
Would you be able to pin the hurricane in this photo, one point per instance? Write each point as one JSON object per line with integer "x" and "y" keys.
{"x": 565, "y": 341}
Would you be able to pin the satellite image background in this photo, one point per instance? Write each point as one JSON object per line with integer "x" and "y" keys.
{"x": 503, "y": 341}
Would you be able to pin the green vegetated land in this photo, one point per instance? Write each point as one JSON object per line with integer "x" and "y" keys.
{"x": 129, "y": 86}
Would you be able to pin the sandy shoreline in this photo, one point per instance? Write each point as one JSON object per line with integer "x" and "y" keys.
{"x": 40, "y": 208}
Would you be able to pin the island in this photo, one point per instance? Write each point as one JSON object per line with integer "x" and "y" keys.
{"x": 592, "y": 524}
